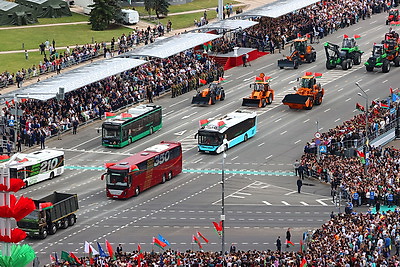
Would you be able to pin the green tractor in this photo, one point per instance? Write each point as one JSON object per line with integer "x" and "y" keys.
{"x": 384, "y": 53}
{"x": 345, "y": 57}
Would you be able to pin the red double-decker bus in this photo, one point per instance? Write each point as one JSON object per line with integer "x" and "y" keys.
{"x": 154, "y": 165}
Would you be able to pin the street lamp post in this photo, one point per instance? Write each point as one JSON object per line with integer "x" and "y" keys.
{"x": 223, "y": 198}
{"x": 366, "y": 141}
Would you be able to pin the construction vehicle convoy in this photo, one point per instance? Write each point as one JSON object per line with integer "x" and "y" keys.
{"x": 262, "y": 93}
{"x": 209, "y": 95}
{"x": 308, "y": 94}
{"x": 385, "y": 53}
{"x": 393, "y": 16}
{"x": 303, "y": 52}
{"x": 346, "y": 57}
{"x": 55, "y": 211}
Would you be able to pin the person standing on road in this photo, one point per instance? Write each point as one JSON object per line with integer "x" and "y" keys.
{"x": 74, "y": 126}
{"x": 296, "y": 166}
{"x": 279, "y": 244}
{"x": 300, "y": 170}
{"x": 299, "y": 185}
{"x": 288, "y": 236}
{"x": 244, "y": 59}
{"x": 42, "y": 139}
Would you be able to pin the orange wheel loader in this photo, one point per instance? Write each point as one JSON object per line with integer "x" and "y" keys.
{"x": 262, "y": 93}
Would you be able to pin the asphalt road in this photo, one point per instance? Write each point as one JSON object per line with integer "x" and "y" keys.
{"x": 261, "y": 195}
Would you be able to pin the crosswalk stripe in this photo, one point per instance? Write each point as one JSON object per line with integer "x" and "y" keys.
{"x": 285, "y": 203}
{"x": 267, "y": 203}
{"x": 304, "y": 203}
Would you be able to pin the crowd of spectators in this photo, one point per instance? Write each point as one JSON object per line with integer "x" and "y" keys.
{"x": 55, "y": 60}
{"x": 344, "y": 240}
{"x": 179, "y": 73}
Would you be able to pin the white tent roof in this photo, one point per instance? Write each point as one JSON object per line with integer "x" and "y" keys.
{"x": 229, "y": 24}
{"x": 277, "y": 8}
{"x": 76, "y": 78}
{"x": 172, "y": 45}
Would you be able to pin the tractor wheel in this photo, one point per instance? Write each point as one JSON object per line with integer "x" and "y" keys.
{"x": 263, "y": 102}
{"x": 369, "y": 68}
{"x": 295, "y": 65}
{"x": 281, "y": 67}
{"x": 212, "y": 100}
{"x": 222, "y": 96}
{"x": 349, "y": 64}
{"x": 387, "y": 22}
{"x": 357, "y": 59}
{"x": 309, "y": 58}
{"x": 397, "y": 61}
{"x": 269, "y": 102}
{"x": 329, "y": 66}
{"x": 309, "y": 107}
{"x": 314, "y": 57}
{"x": 386, "y": 66}
{"x": 344, "y": 64}
{"x": 318, "y": 99}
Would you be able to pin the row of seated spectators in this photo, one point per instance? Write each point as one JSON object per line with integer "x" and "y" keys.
{"x": 113, "y": 93}
{"x": 345, "y": 240}
{"x": 80, "y": 54}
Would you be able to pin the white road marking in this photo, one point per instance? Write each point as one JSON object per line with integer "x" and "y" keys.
{"x": 178, "y": 103}
{"x": 267, "y": 203}
{"x": 261, "y": 144}
{"x": 235, "y": 158}
{"x": 283, "y": 132}
{"x": 385, "y": 81}
{"x": 306, "y": 120}
{"x": 321, "y": 201}
{"x": 298, "y": 141}
{"x": 268, "y": 157}
{"x": 285, "y": 203}
{"x": 348, "y": 99}
{"x": 287, "y": 194}
{"x": 304, "y": 203}
{"x": 338, "y": 119}
{"x": 278, "y": 119}
{"x": 326, "y": 110}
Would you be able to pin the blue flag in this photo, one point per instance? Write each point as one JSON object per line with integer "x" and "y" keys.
{"x": 101, "y": 251}
{"x": 395, "y": 97}
{"x": 164, "y": 240}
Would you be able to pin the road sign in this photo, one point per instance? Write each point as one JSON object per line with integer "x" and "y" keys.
{"x": 322, "y": 149}
{"x": 317, "y": 142}
{"x": 317, "y": 135}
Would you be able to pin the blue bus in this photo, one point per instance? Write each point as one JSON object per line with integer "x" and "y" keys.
{"x": 235, "y": 127}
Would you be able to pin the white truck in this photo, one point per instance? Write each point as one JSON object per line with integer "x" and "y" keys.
{"x": 130, "y": 16}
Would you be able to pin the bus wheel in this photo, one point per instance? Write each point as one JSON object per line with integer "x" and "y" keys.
{"x": 25, "y": 184}
{"x": 151, "y": 131}
{"x": 53, "y": 229}
{"x": 51, "y": 175}
{"x": 170, "y": 175}
{"x": 43, "y": 234}
{"x": 137, "y": 191}
{"x": 245, "y": 138}
{"x": 163, "y": 178}
{"x": 71, "y": 220}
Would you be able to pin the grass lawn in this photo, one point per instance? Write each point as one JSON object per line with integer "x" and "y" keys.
{"x": 74, "y": 18}
{"x": 16, "y": 61}
{"x": 185, "y": 20}
{"x": 63, "y": 35}
{"x": 195, "y": 5}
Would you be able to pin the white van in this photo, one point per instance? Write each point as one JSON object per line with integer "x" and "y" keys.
{"x": 130, "y": 16}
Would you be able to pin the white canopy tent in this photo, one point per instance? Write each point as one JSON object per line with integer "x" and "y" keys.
{"x": 172, "y": 45}
{"x": 277, "y": 8}
{"x": 228, "y": 24}
{"x": 76, "y": 78}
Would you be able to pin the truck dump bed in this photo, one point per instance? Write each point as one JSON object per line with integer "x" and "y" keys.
{"x": 63, "y": 204}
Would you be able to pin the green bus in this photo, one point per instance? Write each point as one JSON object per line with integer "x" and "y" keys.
{"x": 126, "y": 128}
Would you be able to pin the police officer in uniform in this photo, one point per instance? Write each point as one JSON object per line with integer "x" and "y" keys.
{"x": 355, "y": 199}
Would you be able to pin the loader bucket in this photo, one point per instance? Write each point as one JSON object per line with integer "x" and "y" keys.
{"x": 296, "y": 101}
{"x": 251, "y": 102}
{"x": 282, "y": 63}
{"x": 199, "y": 100}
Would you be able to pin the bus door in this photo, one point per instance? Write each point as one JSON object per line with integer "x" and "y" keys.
{"x": 149, "y": 180}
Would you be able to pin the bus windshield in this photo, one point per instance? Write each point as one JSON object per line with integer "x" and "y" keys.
{"x": 212, "y": 139}
{"x": 111, "y": 132}
{"x": 117, "y": 178}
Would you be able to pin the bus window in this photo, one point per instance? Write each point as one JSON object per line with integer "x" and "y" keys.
{"x": 110, "y": 132}
{"x": 117, "y": 178}
{"x": 210, "y": 139}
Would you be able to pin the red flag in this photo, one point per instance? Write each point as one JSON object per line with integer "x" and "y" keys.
{"x": 126, "y": 115}
{"x": 203, "y": 123}
{"x": 345, "y": 36}
{"x": 202, "y": 236}
{"x": 303, "y": 262}
{"x": 318, "y": 75}
{"x": 110, "y": 250}
{"x": 197, "y": 242}
{"x": 110, "y": 115}
{"x": 45, "y": 206}
{"x": 23, "y": 100}
{"x": 221, "y": 124}
{"x": 391, "y": 90}
{"x": 218, "y": 228}
{"x": 13, "y": 101}
{"x": 356, "y": 36}
{"x": 72, "y": 255}
{"x": 288, "y": 242}
{"x": 221, "y": 79}
{"x": 298, "y": 35}
{"x": 8, "y": 104}
{"x": 308, "y": 73}
{"x": 360, "y": 154}
{"x": 159, "y": 243}
{"x": 383, "y": 105}
{"x": 259, "y": 79}
{"x": 52, "y": 259}
{"x": 359, "y": 107}
{"x": 201, "y": 81}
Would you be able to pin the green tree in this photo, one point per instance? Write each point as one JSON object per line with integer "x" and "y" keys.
{"x": 104, "y": 13}
{"x": 159, "y": 7}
